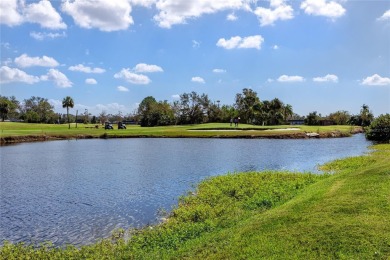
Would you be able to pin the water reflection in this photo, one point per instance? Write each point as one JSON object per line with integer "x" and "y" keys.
{"x": 79, "y": 191}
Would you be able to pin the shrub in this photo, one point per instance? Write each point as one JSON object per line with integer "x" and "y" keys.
{"x": 379, "y": 129}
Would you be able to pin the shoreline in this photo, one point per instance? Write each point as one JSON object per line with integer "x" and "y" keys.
{"x": 9, "y": 140}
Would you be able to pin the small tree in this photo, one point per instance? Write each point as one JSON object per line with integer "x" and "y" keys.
{"x": 67, "y": 102}
{"x": 379, "y": 129}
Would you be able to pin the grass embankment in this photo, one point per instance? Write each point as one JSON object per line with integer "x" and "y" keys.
{"x": 266, "y": 215}
{"x": 22, "y": 132}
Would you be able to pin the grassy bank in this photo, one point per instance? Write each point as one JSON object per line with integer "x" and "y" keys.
{"x": 270, "y": 215}
{"x": 23, "y": 132}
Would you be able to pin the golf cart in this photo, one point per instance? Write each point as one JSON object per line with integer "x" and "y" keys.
{"x": 121, "y": 125}
{"x": 108, "y": 125}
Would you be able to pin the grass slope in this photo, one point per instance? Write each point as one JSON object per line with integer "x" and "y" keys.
{"x": 270, "y": 215}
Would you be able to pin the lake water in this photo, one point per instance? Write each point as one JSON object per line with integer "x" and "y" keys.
{"x": 80, "y": 191}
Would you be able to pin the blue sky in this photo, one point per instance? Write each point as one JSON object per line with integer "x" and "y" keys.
{"x": 317, "y": 55}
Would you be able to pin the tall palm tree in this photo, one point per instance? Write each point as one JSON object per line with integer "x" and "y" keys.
{"x": 287, "y": 111}
{"x": 68, "y": 103}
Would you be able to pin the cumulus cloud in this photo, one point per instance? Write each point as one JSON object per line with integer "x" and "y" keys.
{"x": 144, "y": 3}
{"x": 111, "y": 108}
{"x": 9, "y": 13}
{"x": 146, "y": 68}
{"x": 86, "y": 69}
{"x": 327, "y": 78}
{"x": 231, "y": 17}
{"x": 285, "y": 78}
{"x": 376, "y": 80}
{"x": 59, "y": 78}
{"x": 122, "y": 89}
{"x": 101, "y": 14}
{"x": 219, "y": 71}
{"x": 385, "y": 16}
{"x": 91, "y": 81}
{"x": 254, "y": 41}
{"x": 131, "y": 77}
{"x": 278, "y": 10}
{"x": 9, "y": 75}
{"x": 275, "y": 47}
{"x": 44, "y": 14}
{"x": 24, "y": 61}
{"x": 176, "y": 96}
{"x": 329, "y": 9}
{"x": 40, "y": 36}
{"x": 14, "y": 12}
{"x": 198, "y": 80}
{"x": 173, "y": 12}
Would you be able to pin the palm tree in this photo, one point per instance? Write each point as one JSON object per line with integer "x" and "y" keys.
{"x": 287, "y": 111}
{"x": 68, "y": 103}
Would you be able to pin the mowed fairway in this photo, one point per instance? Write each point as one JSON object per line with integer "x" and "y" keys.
{"x": 10, "y": 129}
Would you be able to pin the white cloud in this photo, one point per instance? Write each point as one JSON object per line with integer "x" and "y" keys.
{"x": 270, "y": 80}
{"x": 122, "y": 89}
{"x": 44, "y": 14}
{"x": 91, "y": 81}
{"x": 195, "y": 44}
{"x": 86, "y": 69}
{"x": 376, "y": 80}
{"x": 285, "y": 78}
{"x": 173, "y": 12}
{"x": 176, "y": 96}
{"x": 25, "y": 61}
{"x": 8, "y": 75}
{"x": 9, "y": 13}
{"x": 198, "y": 80}
{"x": 146, "y": 68}
{"x": 14, "y": 12}
{"x": 131, "y": 77}
{"x": 231, "y": 17}
{"x": 111, "y": 108}
{"x": 58, "y": 78}
{"x": 327, "y": 78}
{"x": 278, "y": 11}
{"x": 101, "y": 14}
{"x": 219, "y": 71}
{"x": 385, "y": 16}
{"x": 275, "y": 47}
{"x": 144, "y": 3}
{"x": 329, "y": 9}
{"x": 40, "y": 36}
{"x": 254, "y": 41}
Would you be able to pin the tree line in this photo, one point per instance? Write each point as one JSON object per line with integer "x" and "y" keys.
{"x": 190, "y": 108}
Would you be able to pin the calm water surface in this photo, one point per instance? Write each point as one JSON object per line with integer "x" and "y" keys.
{"x": 80, "y": 191}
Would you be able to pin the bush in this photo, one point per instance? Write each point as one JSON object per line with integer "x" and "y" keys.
{"x": 379, "y": 129}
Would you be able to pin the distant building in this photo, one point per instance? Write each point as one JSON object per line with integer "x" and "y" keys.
{"x": 327, "y": 122}
{"x": 296, "y": 121}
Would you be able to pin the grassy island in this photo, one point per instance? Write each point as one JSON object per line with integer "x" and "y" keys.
{"x": 25, "y": 132}
{"x": 342, "y": 214}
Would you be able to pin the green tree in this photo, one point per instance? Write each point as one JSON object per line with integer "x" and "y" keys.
{"x": 8, "y": 107}
{"x": 312, "y": 119}
{"x": 366, "y": 115}
{"x": 41, "y": 107}
{"x": 287, "y": 112}
{"x": 246, "y": 102}
{"x": 379, "y": 129}
{"x": 67, "y": 103}
{"x": 340, "y": 117}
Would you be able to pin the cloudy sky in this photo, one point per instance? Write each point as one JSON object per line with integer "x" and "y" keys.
{"x": 317, "y": 55}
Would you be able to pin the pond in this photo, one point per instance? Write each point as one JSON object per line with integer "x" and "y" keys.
{"x": 79, "y": 191}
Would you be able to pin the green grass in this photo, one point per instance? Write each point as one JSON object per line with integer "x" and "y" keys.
{"x": 267, "y": 215}
{"x": 13, "y": 131}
